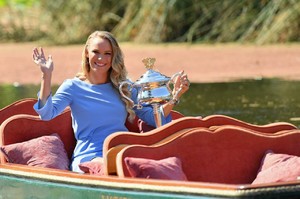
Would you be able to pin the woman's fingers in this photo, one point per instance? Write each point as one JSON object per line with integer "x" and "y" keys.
{"x": 184, "y": 83}
{"x": 42, "y": 53}
{"x": 35, "y": 53}
{"x": 181, "y": 85}
{"x": 184, "y": 80}
{"x": 36, "y": 58}
{"x": 39, "y": 57}
{"x": 33, "y": 56}
{"x": 38, "y": 54}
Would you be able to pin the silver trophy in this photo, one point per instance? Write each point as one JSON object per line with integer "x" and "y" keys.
{"x": 153, "y": 88}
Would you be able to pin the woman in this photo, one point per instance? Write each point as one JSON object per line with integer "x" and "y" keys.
{"x": 97, "y": 108}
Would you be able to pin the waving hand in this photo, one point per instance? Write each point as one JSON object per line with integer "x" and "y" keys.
{"x": 46, "y": 65}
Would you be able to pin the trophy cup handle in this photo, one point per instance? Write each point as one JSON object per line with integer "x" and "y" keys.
{"x": 172, "y": 81}
{"x": 121, "y": 92}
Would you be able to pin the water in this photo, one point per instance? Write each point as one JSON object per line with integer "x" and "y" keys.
{"x": 255, "y": 101}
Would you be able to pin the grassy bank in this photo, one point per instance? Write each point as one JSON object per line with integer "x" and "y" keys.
{"x": 152, "y": 21}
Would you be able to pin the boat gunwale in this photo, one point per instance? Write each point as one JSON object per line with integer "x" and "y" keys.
{"x": 149, "y": 185}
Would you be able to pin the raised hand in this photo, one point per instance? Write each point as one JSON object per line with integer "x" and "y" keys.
{"x": 46, "y": 65}
{"x": 181, "y": 84}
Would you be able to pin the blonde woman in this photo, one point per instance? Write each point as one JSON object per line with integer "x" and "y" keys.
{"x": 97, "y": 108}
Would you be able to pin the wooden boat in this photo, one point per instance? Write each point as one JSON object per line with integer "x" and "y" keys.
{"x": 220, "y": 157}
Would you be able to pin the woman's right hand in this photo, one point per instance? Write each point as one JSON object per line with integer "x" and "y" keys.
{"x": 46, "y": 65}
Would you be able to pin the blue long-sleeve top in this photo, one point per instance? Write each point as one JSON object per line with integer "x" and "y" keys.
{"x": 96, "y": 111}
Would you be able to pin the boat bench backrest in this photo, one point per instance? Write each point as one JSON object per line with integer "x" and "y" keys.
{"x": 117, "y": 141}
{"x": 23, "y": 127}
{"x": 229, "y": 154}
{"x": 24, "y": 106}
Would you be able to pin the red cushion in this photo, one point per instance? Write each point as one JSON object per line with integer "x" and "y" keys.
{"x": 167, "y": 169}
{"x": 46, "y": 151}
{"x": 93, "y": 168}
{"x": 278, "y": 168}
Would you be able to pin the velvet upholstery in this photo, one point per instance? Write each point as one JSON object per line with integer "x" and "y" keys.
{"x": 144, "y": 127}
{"x": 111, "y": 154}
{"x": 216, "y": 121}
{"x": 92, "y": 168}
{"x": 23, "y": 106}
{"x": 165, "y": 169}
{"x": 46, "y": 151}
{"x": 277, "y": 167}
{"x": 213, "y": 122}
{"x": 227, "y": 155}
{"x": 115, "y": 142}
{"x": 22, "y": 127}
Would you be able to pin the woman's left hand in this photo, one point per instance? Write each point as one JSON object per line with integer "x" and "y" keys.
{"x": 181, "y": 85}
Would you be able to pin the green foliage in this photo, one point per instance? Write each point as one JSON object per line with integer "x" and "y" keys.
{"x": 2, "y": 3}
{"x": 210, "y": 21}
{"x": 17, "y": 2}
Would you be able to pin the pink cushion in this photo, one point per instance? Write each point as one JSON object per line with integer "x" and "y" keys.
{"x": 46, "y": 151}
{"x": 93, "y": 168}
{"x": 167, "y": 169}
{"x": 278, "y": 168}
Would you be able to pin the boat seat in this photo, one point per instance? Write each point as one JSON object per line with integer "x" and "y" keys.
{"x": 117, "y": 141}
{"x": 229, "y": 154}
{"x": 23, "y": 127}
{"x": 20, "y": 122}
{"x": 111, "y": 154}
{"x": 212, "y": 122}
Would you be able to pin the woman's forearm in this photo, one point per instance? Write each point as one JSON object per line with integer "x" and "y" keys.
{"x": 167, "y": 108}
{"x": 45, "y": 90}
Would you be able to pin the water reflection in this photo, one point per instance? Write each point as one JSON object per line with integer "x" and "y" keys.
{"x": 11, "y": 93}
{"x": 255, "y": 101}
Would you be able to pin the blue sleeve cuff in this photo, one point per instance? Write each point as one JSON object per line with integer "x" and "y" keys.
{"x": 43, "y": 111}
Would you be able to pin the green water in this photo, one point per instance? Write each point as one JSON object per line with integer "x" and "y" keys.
{"x": 255, "y": 101}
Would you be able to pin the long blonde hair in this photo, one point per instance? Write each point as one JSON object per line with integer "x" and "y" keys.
{"x": 117, "y": 72}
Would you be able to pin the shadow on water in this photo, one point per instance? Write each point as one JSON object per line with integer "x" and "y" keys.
{"x": 255, "y": 101}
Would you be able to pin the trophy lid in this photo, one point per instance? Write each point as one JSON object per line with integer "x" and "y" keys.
{"x": 151, "y": 76}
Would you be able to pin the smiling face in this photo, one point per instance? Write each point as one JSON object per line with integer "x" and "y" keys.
{"x": 99, "y": 53}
